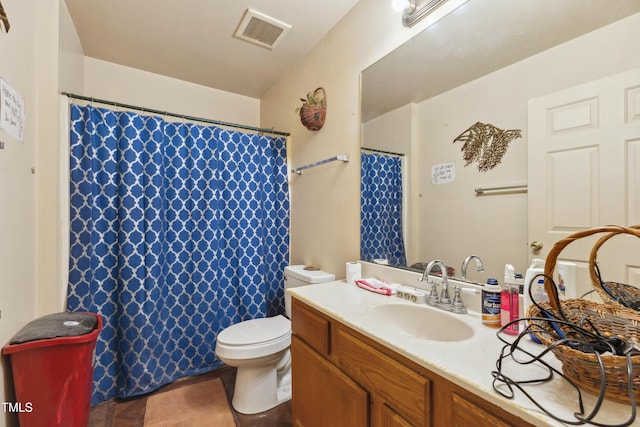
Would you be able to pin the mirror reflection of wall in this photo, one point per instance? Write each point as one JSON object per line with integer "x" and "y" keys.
{"x": 450, "y": 221}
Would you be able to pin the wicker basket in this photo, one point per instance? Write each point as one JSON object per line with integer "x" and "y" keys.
{"x": 313, "y": 116}
{"x": 614, "y": 292}
{"x": 609, "y": 319}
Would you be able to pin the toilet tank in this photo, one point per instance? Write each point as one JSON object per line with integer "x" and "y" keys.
{"x": 296, "y": 275}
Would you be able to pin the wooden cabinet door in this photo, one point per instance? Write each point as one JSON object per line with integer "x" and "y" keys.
{"x": 322, "y": 394}
{"x": 387, "y": 380}
{"x": 390, "y": 418}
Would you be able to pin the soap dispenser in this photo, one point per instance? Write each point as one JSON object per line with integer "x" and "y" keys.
{"x": 509, "y": 306}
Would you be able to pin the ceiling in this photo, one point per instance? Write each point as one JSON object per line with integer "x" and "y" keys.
{"x": 478, "y": 38}
{"x": 193, "y": 40}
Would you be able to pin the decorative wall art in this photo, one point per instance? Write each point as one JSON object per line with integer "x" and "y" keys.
{"x": 4, "y": 19}
{"x": 485, "y": 144}
{"x": 313, "y": 110}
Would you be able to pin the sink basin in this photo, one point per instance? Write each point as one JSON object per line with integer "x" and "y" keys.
{"x": 419, "y": 321}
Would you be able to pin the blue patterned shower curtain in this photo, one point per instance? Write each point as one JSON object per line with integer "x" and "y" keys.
{"x": 381, "y": 209}
{"x": 177, "y": 231}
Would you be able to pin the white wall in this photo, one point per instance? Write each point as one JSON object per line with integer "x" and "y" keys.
{"x": 127, "y": 85}
{"x": 48, "y": 172}
{"x": 454, "y": 222}
{"x": 52, "y": 294}
{"x": 391, "y": 131}
{"x": 325, "y": 217}
{"x": 71, "y": 55}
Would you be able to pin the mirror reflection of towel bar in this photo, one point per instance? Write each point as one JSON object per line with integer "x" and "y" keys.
{"x": 520, "y": 188}
{"x": 342, "y": 157}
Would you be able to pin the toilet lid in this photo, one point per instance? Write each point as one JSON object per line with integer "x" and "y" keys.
{"x": 256, "y": 331}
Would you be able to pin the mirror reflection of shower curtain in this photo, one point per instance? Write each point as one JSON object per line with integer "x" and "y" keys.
{"x": 381, "y": 234}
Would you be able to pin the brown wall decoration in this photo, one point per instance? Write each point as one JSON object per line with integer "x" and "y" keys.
{"x": 485, "y": 144}
{"x": 314, "y": 109}
{"x": 4, "y": 19}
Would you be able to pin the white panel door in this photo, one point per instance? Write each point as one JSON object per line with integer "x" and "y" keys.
{"x": 584, "y": 171}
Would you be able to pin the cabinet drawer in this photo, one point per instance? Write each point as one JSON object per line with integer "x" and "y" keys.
{"x": 402, "y": 389}
{"x": 310, "y": 326}
{"x": 466, "y": 412}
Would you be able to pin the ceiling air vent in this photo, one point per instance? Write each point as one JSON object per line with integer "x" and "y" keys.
{"x": 261, "y": 29}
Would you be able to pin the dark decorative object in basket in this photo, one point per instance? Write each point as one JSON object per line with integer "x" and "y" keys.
{"x": 314, "y": 109}
{"x": 590, "y": 326}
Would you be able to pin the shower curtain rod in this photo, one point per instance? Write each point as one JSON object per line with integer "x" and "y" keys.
{"x": 182, "y": 116}
{"x": 382, "y": 151}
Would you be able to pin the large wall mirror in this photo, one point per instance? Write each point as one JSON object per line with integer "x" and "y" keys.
{"x": 482, "y": 63}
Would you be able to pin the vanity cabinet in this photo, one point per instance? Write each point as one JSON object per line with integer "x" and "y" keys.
{"x": 344, "y": 378}
{"x": 325, "y": 396}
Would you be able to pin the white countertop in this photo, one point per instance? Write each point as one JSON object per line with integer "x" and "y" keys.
{"x": 467, "y": 363}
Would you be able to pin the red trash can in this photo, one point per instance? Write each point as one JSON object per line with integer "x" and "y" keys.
{"x": 51, "y": 360}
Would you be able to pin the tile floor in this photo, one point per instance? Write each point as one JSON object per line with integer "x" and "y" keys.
{"x": 130, "y": 412}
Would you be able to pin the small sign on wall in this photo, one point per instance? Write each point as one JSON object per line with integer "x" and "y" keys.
{"x": 443, "y": 173}
{"x": 12, "y": 114}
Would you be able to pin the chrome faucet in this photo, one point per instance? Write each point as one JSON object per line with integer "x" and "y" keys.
{"x": 466, "y": 262}
{"x": 444, "y": 293}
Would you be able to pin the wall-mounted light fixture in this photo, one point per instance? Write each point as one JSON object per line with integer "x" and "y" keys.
{"x": 416, "y": 10}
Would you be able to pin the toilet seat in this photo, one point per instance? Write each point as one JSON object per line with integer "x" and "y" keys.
{"x": 254, "y": 338}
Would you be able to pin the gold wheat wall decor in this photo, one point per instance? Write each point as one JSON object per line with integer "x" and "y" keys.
{"x": 4, "y": 19}
{"x": 485, "y": 144}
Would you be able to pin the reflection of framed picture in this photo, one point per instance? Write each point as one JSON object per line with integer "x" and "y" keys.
{"x": 4, "y": 19}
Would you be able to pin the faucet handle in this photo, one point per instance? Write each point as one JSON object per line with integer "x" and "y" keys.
{"x": 433, "y": 295}
{"x": 457, "y": 306}
{"x": 457, "y": 299}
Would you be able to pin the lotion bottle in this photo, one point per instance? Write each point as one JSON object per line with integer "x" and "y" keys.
{"x": 539, "y": 292}
{"x": 536, "y": 267}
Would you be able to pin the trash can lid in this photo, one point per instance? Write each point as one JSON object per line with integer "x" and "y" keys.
{"x": 56, "y": 325}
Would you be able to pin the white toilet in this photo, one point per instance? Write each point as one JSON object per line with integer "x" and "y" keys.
{"x": 259, "y": 348}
